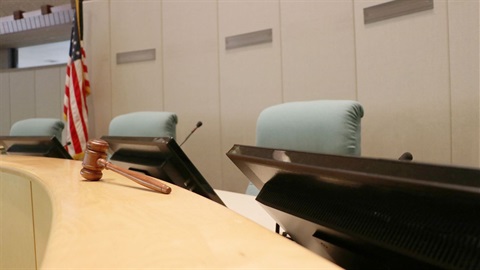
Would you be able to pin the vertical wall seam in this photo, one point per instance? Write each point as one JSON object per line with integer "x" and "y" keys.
{"x": 355, "y": 57}
{"x": 10, "y": 100}
{"x": 219, "y": 89}
{"x": 111, "y": 56}
{"x": 35, "y": 93}
{"x": 449, "y": 77}
{"x": 62, "y": 91}
{"x": 162, "y": 59}
{"x": 282, "y": 86}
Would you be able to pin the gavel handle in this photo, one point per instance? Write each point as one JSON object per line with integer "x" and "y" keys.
{"x": 140, "y": 178}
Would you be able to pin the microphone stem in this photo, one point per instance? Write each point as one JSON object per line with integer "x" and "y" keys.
{"x": 188, "y": 136}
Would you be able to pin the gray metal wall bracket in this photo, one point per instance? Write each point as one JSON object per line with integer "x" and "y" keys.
{"x": 248, "y": 39}
{"x": 395, "y": 9}
{"x": 135, "y": 56}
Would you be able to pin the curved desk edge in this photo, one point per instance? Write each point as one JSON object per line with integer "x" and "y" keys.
{"x": 116, "y": 223}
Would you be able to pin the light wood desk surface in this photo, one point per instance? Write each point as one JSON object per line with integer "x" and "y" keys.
{"x": 115, "y": 223}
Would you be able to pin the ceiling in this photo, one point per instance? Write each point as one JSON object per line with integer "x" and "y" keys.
{"x": 7, "y": 7}
{"x": 32, "y": 37}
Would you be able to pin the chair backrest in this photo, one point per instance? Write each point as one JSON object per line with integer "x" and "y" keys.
{"x": 319, "y": 126}
{"x": 144, "y": 124}
{"x": 38, "y": 127}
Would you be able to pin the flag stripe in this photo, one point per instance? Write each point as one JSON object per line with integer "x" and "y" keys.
{"x": 77, "y": 87}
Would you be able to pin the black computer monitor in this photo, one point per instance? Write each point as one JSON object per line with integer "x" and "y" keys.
{"x": 366, "y": 213}
{"x": 161, "y": 158}
{"x": 46, "y": 146}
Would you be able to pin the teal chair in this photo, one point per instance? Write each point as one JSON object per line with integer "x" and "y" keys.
{"x": 144, "y": 124}
{"x": 38, "y": 127}
{"x": 318, "y": 126}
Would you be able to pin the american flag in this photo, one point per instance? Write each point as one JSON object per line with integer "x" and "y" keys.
{"x": 77, "y": 88}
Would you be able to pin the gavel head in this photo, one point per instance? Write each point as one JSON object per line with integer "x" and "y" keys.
{"x": 96, "y": 149}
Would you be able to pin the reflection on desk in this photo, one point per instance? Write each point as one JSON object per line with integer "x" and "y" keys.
{"x": 51, "y": 218}
{"x": 247, "y": 206}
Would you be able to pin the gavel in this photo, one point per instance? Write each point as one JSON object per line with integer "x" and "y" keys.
{"x": 95, "y": 161}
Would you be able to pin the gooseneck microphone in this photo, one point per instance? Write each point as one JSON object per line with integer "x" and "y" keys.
{"x": 199, "y": 124}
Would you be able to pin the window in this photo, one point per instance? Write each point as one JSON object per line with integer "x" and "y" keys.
{"x": 43, "y": 55}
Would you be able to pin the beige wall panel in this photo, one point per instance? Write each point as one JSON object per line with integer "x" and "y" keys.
{"x": 136, "y": 25}
{"x": 48, "y": 102}
{"x": 403, "y": 83}
{"x": 318, "y": 50}
{"x": 62, "y": 71}
{"x": 464, "y": 65}
{"x": 16, "y": 223}
{"x": 191, "y": 81}
{"x": 136, "y": 87}
{"x": 22, "y": 94}
{"x": 4, "y": 104}
{"x": 96, "y": 19}
{"x": 4, "y": 58}
{"x": 250, "y": 77}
